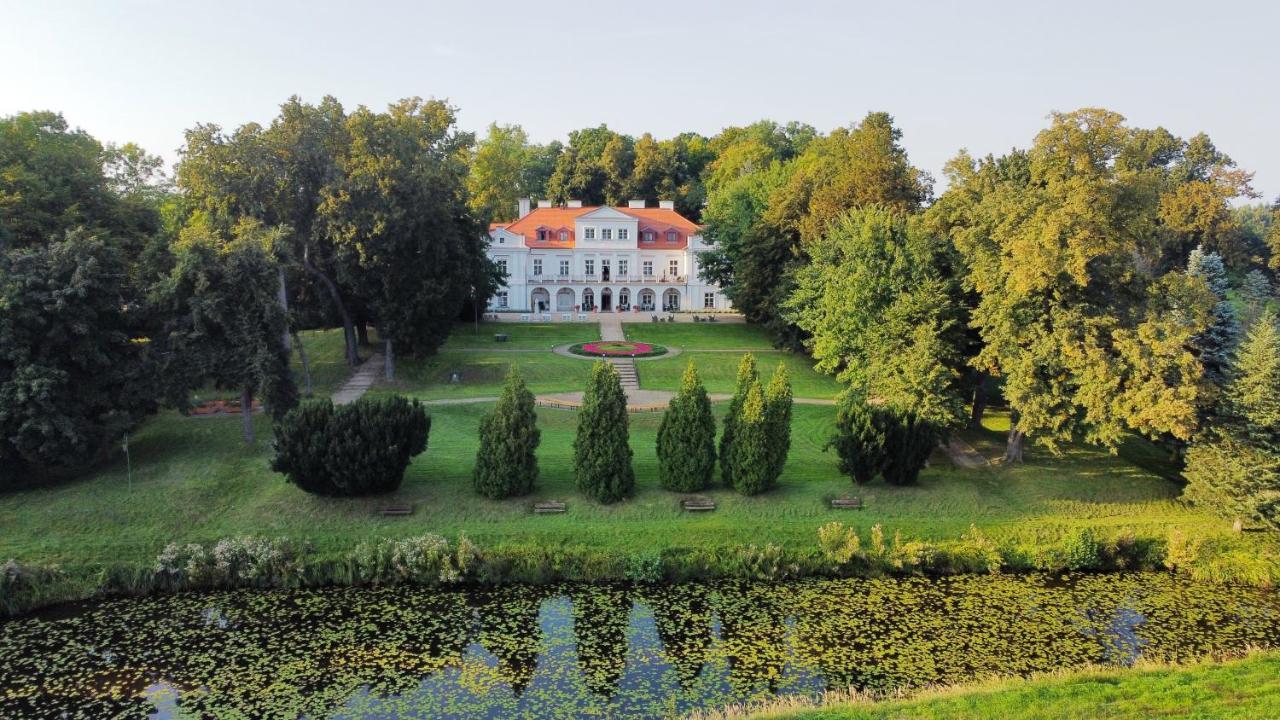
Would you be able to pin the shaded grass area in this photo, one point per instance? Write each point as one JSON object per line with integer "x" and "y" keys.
{"x": 719, "y": 372}
{"x": 481, "y": 374}
{"x": 701, "y": 336}
{"x": 1245, "y": 689}
{"x": 195, "y": 481}
{"x": 520, "y": 336}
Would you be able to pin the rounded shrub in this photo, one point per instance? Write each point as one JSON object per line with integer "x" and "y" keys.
{"x": 361, "y": 448}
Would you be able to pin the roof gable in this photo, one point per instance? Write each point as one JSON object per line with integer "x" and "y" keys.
{"x": 604, "y": 212}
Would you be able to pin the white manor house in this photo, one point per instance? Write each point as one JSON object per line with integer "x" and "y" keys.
{"x": 577, "y": 259}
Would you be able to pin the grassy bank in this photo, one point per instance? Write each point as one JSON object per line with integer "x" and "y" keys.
{"x": 1244, "y": 688}
{"x": 194, "y": 480}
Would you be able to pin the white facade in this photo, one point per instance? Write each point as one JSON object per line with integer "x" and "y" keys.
{"x": 602, "y": 259}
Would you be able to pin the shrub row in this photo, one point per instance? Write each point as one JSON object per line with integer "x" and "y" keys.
{"x": 841, "y": 551}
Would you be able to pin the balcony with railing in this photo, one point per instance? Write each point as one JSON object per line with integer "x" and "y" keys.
{"x": 600, "y": 279}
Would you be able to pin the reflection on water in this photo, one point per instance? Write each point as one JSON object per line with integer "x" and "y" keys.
{"x": 573, "y": 650}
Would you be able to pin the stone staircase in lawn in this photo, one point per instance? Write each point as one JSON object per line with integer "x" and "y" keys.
{"x": 626, "y": 368}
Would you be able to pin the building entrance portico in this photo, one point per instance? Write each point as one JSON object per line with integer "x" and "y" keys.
{"x": 606, "y": 300}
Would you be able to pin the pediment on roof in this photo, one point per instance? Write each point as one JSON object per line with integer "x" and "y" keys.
{"x": 605, "y": 213}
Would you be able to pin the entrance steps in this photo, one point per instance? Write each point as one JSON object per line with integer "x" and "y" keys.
{"x": 626, "y": 368}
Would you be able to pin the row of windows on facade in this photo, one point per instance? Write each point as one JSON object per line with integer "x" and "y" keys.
{"x": 624, "y": 300}
{"x": 589, "y": 267}
{"x": 607, "y": 234}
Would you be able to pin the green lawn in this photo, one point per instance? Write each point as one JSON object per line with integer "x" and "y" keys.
{"x": 521, "y": 336}
{"x": 195, "y": 480}
{"x": 1240, "y": 689}
{"x": 701, "y": 336}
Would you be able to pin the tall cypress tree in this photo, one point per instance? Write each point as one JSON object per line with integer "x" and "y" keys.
{"x": 777, "y": 420}
{"x": 687, "y": 437}
{"x": 601, "y": 454}
{"x": 747, "y": 376}
{"x": 752, "y": 471}
{"x": 506, "y": 463}
{"x": 859, "y": 440}
{"x": 1234, "y": 468}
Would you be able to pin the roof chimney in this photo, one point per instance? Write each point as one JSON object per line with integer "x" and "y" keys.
{"x": 667, "y": 204}
{"x": 544, "y": 203}
{"x": 635, "y": 204}
{"x": 573, "y": 203}
{"x": 523, "y": 208}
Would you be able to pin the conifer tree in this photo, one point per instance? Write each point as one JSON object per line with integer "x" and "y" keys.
{"x": 859, "y": 440}
{"x": 777, "y": 415}
{"x": 1255, "y": 291}
{"x": 909, "y": 439}
{"x": 1215, "y": 345}
{"x": 506, "y": 463}
{"x": 1234, "y": 468}
{"x": 601, "y": 454}
{"x": 687, "y": 437}
{"x": 752, "y": 473}
{"x": 747, "y": 376}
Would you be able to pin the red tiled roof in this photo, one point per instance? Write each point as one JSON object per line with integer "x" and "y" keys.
{"x": 495, "y": 226}
{"x": 553, "y": 219}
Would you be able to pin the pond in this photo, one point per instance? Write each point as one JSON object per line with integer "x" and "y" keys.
{"x": 584, "y": 650}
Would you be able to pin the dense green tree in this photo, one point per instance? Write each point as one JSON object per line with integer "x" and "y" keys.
{"x": 1255, "y": 293}
{"x": 74, "y": 376}
{"x": 507, "y": 463}
{"x": 777, "y": 421}
{"x": 1062, "y": 246}
{"x": 539, "y": 164}
{"x": 601, "y": 453}
{"x": 283, "y": 175}
{"x": 687, "y": 437}
{"x": 748, "y": 375}
{"x": 581, "y": 172}
{"x": 361, "y": 448}
{"x": 883, "y": 311}
{"x": 752, "y": 452}
{"x": 398, "y": 222}
{"x": 1234, "y": 467}
{"x": 224, "y": 324}
{"x": 754, "y": 254}
{"x": 495, "y": 183}
{"x": 1215, "y": 345}
{"x": 859, "y": 439}
{"x": 908, "y": 441}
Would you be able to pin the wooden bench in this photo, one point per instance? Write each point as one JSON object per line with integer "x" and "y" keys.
{"x": 397, "y": 510}
{"x": 847, "y": 503}
{"x": 701, "y": 504}
{"x": 500, "y": 337}
{"x": 549, "y": 506}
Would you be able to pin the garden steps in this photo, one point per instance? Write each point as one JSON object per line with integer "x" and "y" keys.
{"x": 626, "y": 368}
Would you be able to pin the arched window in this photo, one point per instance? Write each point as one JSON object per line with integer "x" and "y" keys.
{"x": 646, "y": 300}
{"x": 588, "y": 300}
{"x": 624, "y": 299}
{"x": 671, "y": 301}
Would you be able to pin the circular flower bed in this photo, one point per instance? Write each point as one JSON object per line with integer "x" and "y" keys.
{"x": 617, "y": 348}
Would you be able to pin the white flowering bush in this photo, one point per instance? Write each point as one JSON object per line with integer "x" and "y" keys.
{"x": 423, "y": 560}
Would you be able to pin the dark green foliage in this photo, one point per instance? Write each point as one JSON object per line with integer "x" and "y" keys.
{"x": 859, "y": 440}
{"x": 908, "y": 441}
{"x": 358, "y": 449}
{"x": 506, "y": 463}
{"x": 73, "y": 378}
{"x": 225, "y": 324}
{"x": 601, "y": 454}
{"x": 1215, "y": 345}
{"x": 777, "y": 420}
{"x": 1234, "y": 467}
{"x": 752, "y": 452}
{"x": 687, "y": 438}
{"x": 747, "y": 376}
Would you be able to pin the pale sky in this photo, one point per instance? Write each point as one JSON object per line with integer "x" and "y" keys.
{"x": 976, "y": 74}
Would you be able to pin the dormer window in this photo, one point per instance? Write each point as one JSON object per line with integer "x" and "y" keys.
{"x": 673, "y": 236}
{"x": 606, "y": 233}
{"x": 542, "y": 235}
{"x": 648, "y": 236}
{"x": 564, "y": 235}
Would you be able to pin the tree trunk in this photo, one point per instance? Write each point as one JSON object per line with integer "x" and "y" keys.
{"x": 979, "y": 402}
{"x": 246, "y": 413}
{"x": 388, "y": 361}
{"x": 282, "y": 295}
{"x": 1017, "y": 438}
{"x": 348, "y": 327}
{"x": 362, "y": 332}
{"x": 306, "y": 366}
